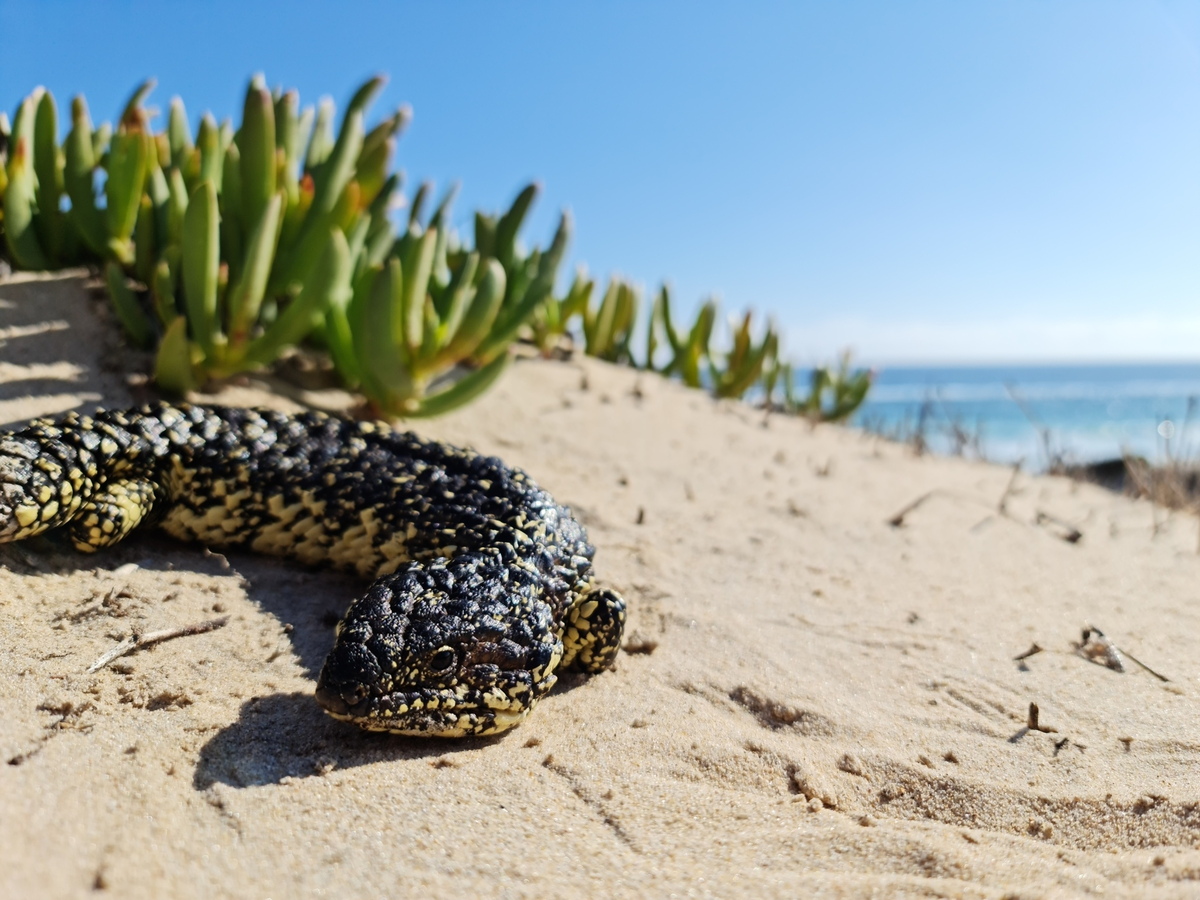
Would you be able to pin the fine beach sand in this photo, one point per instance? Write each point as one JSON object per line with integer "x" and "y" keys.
{"x": 812, "y": 702}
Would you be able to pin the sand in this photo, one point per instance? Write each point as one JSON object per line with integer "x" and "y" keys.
{"x": 812, "y": 702}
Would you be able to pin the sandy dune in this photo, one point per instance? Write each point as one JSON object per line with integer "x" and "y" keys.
{"x": 813, "y": 702}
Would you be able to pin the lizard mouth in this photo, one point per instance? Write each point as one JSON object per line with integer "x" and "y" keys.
{"x": 428, "y": 712}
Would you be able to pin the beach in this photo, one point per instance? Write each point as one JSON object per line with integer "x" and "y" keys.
{"x": 818, "y": 696}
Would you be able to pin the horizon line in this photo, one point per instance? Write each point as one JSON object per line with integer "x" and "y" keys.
{"x": 1019, "y": 363}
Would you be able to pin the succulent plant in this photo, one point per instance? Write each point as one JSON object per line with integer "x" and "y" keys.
{"x": 39, "y": 174}
{"x": 229, "y": 246}
{"x": 240, "y": 240}
{"x": 410, "y": 338}
{"x": 22, "y": 221}
{"x": 688, "y": 351}
{"x": 834, "y": 394}
{"x": 429, "y": 325}
{"x": 529, "y": 276}
{"x": 837, "y": 393}
{"x": 265, "y": 239}
{"x": 552, "y": 321}
{"x": 608, "y": 327}
{"x": 736, "y": 372}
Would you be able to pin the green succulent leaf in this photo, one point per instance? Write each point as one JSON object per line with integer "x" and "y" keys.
{"x": 24, "y": 122}
{"x": 201, "y": 265}
{"x": 159, "y": 190}
{"x": 383, "y": 359}
{"x": 245, "y": 300}
{"x": 173, "y": 366}
{"x": 101, "y": 141}
{"x": 356, "y": 240}
{"x": 599, "y": 328}
{"x": 386, "y": 130}
{"x": 177, "y": 205}
{"x": 133, "y": 107}
{"x": 340, "y": 339}
{"x": 657, "y": 317}
{"x": 371, "y": 168}
{"x": 336, "y": 173}
{"x": 78, "y": 178}
{"x": 256, "y": 146}
{"x": 578, "y": 297}
{"x": 505, "y": 329}
{"x": 441, "y": 215}
{"x": 417, "y": 266}
{"x": 416, "y": 209}
{"x": 363, "y": 96}
{"x": 163, "y": 290}
{"x": 231, "y": 210}
{"x": 137, "y": 325}
{"x": 179, "y": 135}
{"x": 304, "y": 130}
{"x": 744, "y": 368}
{"x": 463, "y": 391}
{"x": 128, "y": 164}
{"x": 321, "y": 144}
{"x": 510, "y": 225}
{"x": 696, "y": 348}
{"x": 455, "y": 299}
{"x": 475, "y": 332}
{"x": 327, "y": 290}
{"x": 19, "y": 205}
{"x": 676, "y": 342}
{"x": 339, "y": 167}
{"x": 485, "y": 234}
{"x": 145, "y": 255}
{"x": 47, "y": 166}
{"x": 212, "y": 153}
{"x": 362, "y": 283}
{"x": 287, "y": 140}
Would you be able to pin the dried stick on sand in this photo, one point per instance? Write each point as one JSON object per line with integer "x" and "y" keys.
{"x": 898, "y": 519}
{"x": 138, "y": 641}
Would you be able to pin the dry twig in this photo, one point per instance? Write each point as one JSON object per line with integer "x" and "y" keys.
{"x": 1070, "y": 533}
{"x": 138, "y": 641}
{"x": 1002, "y": 506}
{"x": 1032, "y": 722}
{"x": 898, "y": 519}
{"x": 1028, "y": 653}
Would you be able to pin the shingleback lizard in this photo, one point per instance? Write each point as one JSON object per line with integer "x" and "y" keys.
{"x": 483, "y": 585}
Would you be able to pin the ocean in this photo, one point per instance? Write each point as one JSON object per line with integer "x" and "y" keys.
{"x": 1039, "y": 414}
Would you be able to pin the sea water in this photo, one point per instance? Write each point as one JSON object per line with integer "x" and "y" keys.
{"x": 1042, "y": 414}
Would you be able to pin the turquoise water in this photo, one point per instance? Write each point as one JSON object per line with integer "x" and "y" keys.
{"x": 1079, "y": 413}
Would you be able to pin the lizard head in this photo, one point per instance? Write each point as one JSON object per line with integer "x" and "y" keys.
{"x": 442, "y": 649}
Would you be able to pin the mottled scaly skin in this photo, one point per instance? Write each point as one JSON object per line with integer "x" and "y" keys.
{"x": 483, "y": 584}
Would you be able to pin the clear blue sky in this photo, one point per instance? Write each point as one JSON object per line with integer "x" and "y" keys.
{"x": 921, "y": 181}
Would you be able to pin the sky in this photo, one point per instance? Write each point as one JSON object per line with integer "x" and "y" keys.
{"x": 921, "y": 182}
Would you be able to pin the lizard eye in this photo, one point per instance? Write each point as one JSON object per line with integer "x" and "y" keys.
{"x": 442, "y": 660}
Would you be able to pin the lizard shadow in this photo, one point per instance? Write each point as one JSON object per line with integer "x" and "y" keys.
{"x": 277, "y": 735}
{"x": 308, "y": 602}
{"x": 286, "y": 736}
